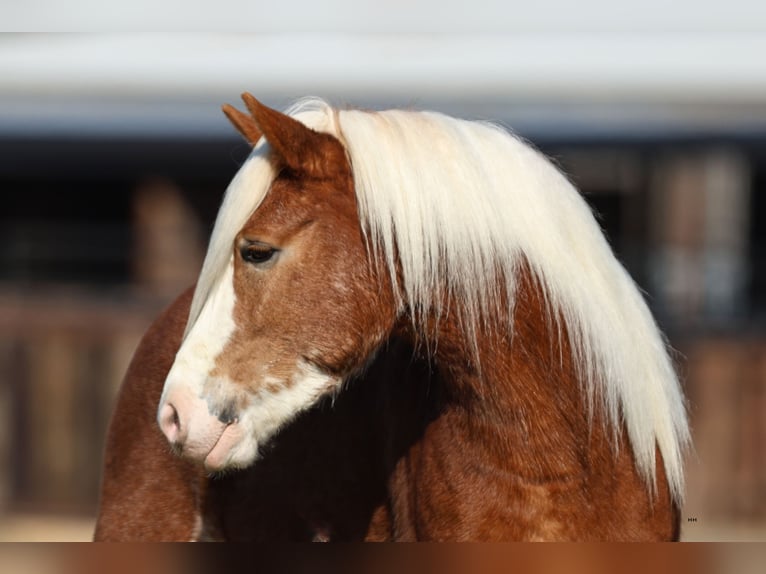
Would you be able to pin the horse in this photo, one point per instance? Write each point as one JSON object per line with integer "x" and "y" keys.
{"x": 149, "y": 494}
{"x": 559, "y": 413}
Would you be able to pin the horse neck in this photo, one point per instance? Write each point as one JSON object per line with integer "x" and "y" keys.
{"x": 513, "y": 431}
{"x": 517, "y": 394}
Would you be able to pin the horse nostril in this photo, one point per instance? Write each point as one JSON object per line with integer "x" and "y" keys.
{"x": 170, "y": 423}
{"x": 228, "y": 415}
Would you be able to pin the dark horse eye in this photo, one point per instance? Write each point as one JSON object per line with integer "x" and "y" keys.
{"x": 257, "y": 253}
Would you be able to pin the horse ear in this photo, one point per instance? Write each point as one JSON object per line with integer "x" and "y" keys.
{"x": 244, "y": 124}
{"x": 302, "y": 149}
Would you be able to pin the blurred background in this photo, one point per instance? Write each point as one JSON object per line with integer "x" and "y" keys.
{"x": 114, "y": 156}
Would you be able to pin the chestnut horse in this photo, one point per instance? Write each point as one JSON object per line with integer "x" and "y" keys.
{"x": 559, "y": 415}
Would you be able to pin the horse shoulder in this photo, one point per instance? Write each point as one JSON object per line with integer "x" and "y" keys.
{"x": 147, "y": 493}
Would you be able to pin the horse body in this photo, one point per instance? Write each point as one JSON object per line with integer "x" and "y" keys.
{"x": 396, "y": 457}
{"x": 549, "y": 396}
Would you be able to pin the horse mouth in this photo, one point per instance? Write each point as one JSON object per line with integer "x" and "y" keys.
{"x": 218, "y": 456}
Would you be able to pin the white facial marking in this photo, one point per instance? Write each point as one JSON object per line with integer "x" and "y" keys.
{"x": 208, "y": 336}
{"x": 204, "y": 398}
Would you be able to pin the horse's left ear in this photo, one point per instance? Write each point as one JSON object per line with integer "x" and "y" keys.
{"x": 244, "y": 124}
{"x": 302, "y": 149}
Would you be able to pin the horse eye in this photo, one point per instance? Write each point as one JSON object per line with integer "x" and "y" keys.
{"x": 256, "y": 254}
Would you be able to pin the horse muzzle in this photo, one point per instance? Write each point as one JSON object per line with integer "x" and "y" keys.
{"x": 194, "y": 432}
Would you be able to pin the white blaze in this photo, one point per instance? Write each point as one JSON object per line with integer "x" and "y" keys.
{"x": 191, "y": 385}
{"x": 208, "y": 336}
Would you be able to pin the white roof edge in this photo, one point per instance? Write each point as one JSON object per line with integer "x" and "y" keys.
{"x": 152, "y": 84}
{"x": 552, "y": 66}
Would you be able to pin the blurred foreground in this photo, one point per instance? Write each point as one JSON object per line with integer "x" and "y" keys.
{"x": 547, "y": 559}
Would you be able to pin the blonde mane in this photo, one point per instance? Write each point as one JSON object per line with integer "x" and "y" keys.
{"x": 469, "y": 202}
